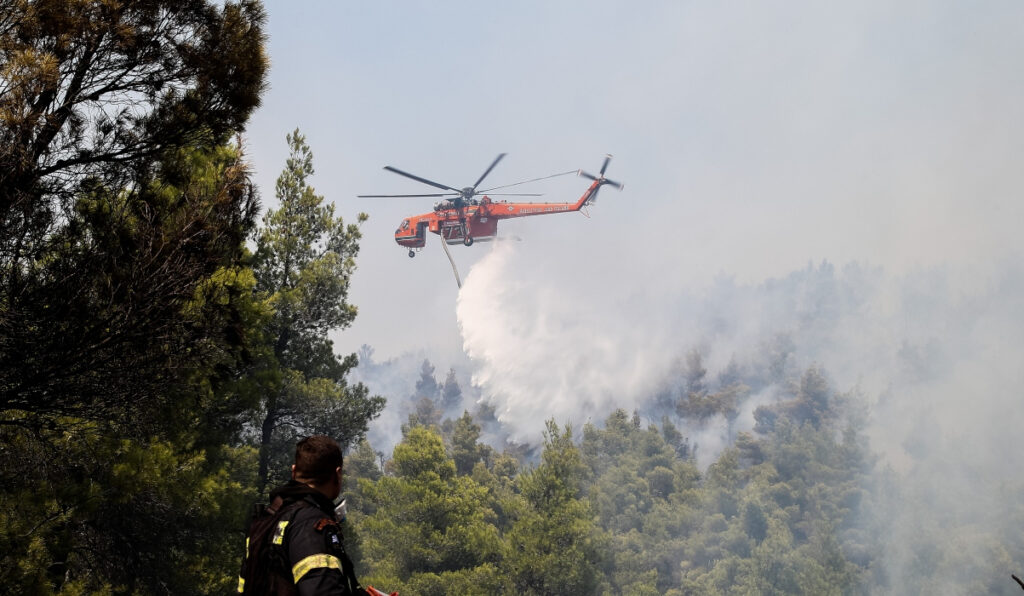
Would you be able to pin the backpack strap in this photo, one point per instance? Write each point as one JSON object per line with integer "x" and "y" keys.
{"x": 335, "y": 556}
{"x": 265, "y": 567}
{"x": 347, "y": 568}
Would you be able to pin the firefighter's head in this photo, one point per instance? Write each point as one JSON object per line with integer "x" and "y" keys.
{"x": 318, "y": 463}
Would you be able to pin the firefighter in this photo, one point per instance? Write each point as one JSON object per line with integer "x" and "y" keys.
{"x": 294, "y": 545}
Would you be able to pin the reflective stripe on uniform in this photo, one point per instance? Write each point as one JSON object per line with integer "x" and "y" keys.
{"x": 241, "y": 580}
{"x": 321, "y": 561}
{"x": 279, "y": 533}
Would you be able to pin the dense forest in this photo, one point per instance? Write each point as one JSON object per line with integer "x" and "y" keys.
{"x": 164, "y": 341}
{"x": 798, "y": 505}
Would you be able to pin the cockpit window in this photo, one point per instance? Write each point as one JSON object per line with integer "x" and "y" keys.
{"x": 405, "y": 224}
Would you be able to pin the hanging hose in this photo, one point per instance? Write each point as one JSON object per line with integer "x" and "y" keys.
{"x": 444, "y": 245}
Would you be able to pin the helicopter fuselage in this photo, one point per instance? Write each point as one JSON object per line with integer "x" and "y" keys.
{"x": 477, "y": 221}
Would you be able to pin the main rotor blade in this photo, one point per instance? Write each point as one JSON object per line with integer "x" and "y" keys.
{"x": 447, "y": 194}
{"x": 607, "y": 158}
{"x": 586, "y": 175}
{"x": 613, "y": 183}
{"x": 418, "y": 179}
{"x": 488, "y": 171}
{"x": 530, "y": 180}
{"x": 512, "y": 194}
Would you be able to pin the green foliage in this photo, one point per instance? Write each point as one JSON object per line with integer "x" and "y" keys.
{"x": 554, "y": 545}
{"x": 429, "y": 525}
{"x": 132, "y": 339}
{"x": 451, "y": 392}
{"x": 466, "y": 450}
{"x": 560, "y": 551}
{"x": 304, "y": 260}
{"x": 425, "y": 413}
{"x": 129, "y": 331}
{"x": 627, "y": 512}
{"x": 88, "y": 517}
{"x": 97, "y": 322}
{"x": 698, "y": 403}
{"x": 426, "y": 385}
{"x": 136, "y": 342}
{"x": 97, "y": 93}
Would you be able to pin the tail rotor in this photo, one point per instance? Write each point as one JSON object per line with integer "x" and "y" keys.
{"x": 601, "y": 179}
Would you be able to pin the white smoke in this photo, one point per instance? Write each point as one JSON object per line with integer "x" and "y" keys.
{"x": 548, "y": 346}
{"x": 935, "y": 352}
{"x": 949, "y": 426}
{"x": 552, "y": 351}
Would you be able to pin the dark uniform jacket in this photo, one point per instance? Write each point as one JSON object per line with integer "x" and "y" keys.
{"x": 308, "y": 537}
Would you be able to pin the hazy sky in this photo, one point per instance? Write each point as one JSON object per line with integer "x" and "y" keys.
{"x": 752, "y": 137}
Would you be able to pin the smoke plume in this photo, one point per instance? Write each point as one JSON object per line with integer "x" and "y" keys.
{"x": 934, "y": 352}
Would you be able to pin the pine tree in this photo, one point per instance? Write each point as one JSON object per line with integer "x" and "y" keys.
{"x": 98, "y": 101}
{"x": 141, "y": 450}
{"x": 426, "y": 385}
{"x": 304, "y": 262}
{"x": 555, "y": 546}
{"x": 466, "y": 450}
{"x": 125, "y": 311}
{"x": 451, "y": 393}
{"x": 432, "y": 531}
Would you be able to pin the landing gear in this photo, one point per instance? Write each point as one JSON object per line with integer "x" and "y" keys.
{"x": 412, "y": 253}
{"x": 468, "y": 241}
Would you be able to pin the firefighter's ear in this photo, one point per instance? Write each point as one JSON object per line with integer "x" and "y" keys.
{"x": 293, "y": 471}
{"x": 336, "y": 483}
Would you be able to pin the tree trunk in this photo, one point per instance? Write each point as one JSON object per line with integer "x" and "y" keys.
{"x": 269, "y": 422}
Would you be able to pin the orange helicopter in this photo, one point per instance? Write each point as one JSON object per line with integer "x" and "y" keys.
{"x": 459, "y": 217}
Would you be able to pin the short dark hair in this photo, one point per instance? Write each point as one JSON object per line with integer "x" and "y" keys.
{"x": 316, "y": 459}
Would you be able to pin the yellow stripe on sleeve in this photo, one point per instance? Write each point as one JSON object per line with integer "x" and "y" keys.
{"x": 321, "y": 561}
